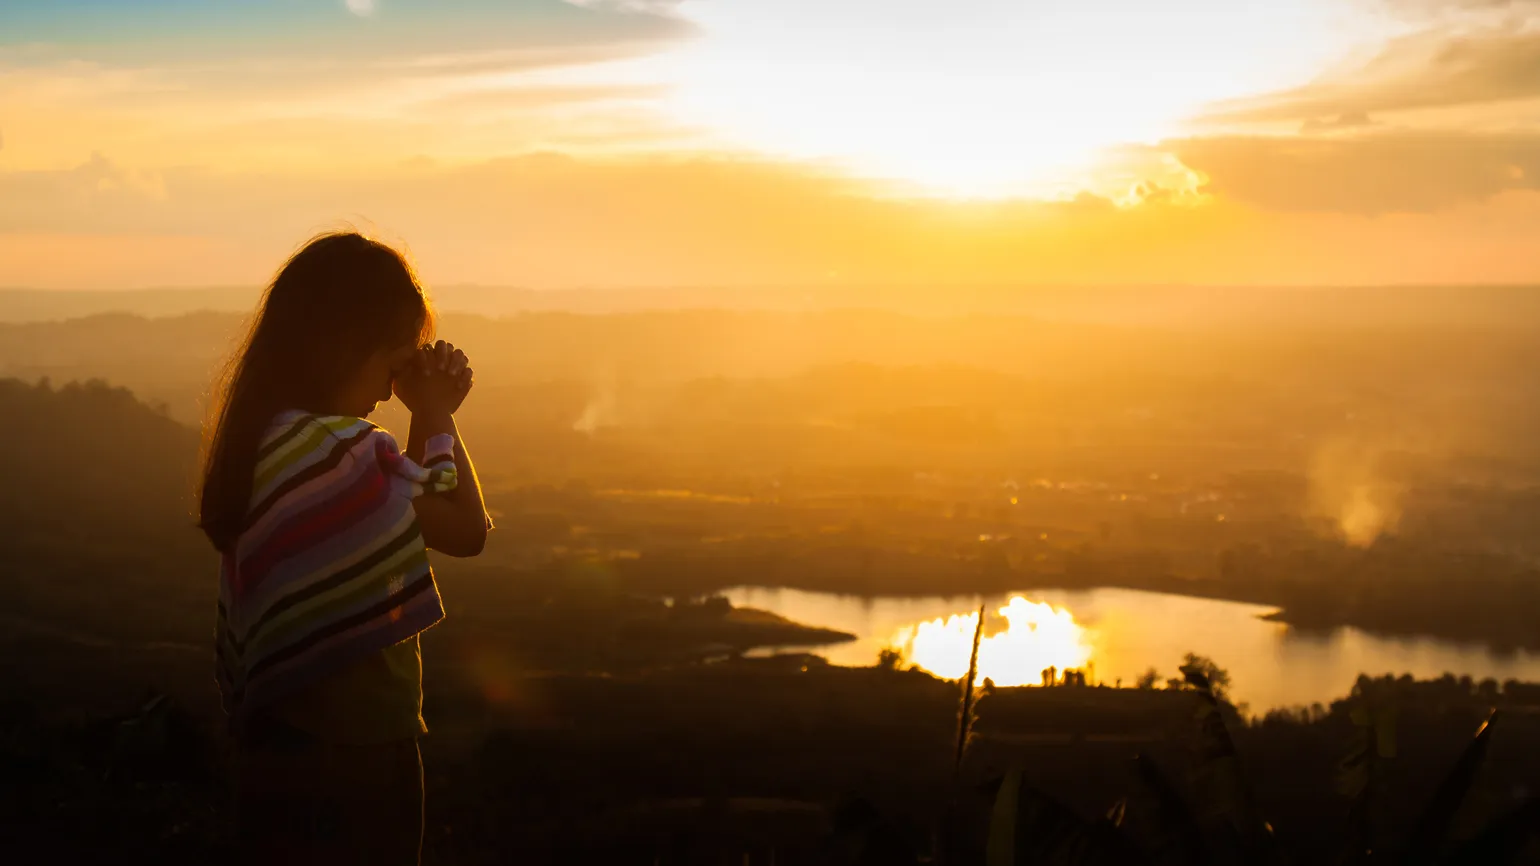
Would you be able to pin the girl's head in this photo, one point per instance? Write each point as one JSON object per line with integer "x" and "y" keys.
{"x": 342, "y": 316}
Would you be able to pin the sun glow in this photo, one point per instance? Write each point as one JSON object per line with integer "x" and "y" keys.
{"x": 1035, "y": 636}
{"x": 991, "y": 99}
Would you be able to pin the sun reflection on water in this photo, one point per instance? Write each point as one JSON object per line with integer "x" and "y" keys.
{"x": 1032, "y": 637}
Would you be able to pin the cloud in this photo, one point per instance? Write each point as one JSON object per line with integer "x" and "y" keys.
{"x": 1433, "y": 69}
{"x": 201, "y": 34}
{"x": 58, "y": 199}
{"x": 650, "y": 7}
{"x": 328, "y": 114}
{"x": 1375, "y": 174}
{"x": 493, "y": 100}
{"x": 1351, "y": 120}
{"x": 1424, "y": 9}
{"x": 552, "y": 220}
{"x": 548, "y": 220}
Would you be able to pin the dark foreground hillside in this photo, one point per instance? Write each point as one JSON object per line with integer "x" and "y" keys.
{"x": 770, "y": 763}
{"x": 576, "y": 721}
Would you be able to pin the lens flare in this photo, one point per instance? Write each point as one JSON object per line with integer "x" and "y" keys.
{"x": 1035, "y": 637}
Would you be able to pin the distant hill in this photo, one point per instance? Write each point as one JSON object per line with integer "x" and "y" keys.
{"x": 90, "y": 460}
{"x": 1202, "y": 306}
{"x": 35, "y": 305}
{"x": 98, "y": 514}
{"x": 553, "y": 370}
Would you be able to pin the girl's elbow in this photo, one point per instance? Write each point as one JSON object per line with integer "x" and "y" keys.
{"x": 450, "y": 531}
{"x": 474, "y": 544}
{"x": 470, "y": 542}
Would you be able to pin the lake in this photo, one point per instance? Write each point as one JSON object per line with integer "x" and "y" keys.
{"x": 1117, "y": 634}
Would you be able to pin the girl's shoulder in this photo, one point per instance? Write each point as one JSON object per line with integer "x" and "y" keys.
{"x": 301, "y": 448}
{"x": 298, "y": 437}
{"x": 292, "y": 425}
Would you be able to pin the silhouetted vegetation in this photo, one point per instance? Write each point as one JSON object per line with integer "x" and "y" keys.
{"x": 820, "y": 764}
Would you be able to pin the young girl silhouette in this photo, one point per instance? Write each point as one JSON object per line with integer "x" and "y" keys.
{"x": 323, "y": 526}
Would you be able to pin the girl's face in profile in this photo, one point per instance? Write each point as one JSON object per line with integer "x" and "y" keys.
{"x": 371, "y": 386}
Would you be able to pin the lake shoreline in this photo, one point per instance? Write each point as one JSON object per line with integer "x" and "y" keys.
{"x": 1320, "y": 622}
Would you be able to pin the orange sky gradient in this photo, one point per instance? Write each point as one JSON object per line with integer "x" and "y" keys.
{"x": 745, "y": 142}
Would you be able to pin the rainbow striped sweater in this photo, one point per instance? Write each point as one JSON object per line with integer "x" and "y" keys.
{"x": 331, "y": 566}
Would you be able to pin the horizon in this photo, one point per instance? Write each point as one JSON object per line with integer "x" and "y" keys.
{"x": 1468, "y": 309}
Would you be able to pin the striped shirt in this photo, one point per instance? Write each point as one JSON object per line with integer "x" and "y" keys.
{"x": 331, "y": 566}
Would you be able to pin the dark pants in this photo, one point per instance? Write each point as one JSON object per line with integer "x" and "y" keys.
{"x": 302, "y": 801}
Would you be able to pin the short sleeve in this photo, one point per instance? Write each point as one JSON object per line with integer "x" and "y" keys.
{"x": 435, "y": 474}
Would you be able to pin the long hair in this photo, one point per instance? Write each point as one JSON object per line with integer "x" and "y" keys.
{"x": 334, "y": 303}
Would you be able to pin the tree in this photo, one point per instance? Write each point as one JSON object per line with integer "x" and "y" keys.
{"x": 1149, "y": 679}
{"x": 1218, "y": 677}
{"x": 889, "y": 659}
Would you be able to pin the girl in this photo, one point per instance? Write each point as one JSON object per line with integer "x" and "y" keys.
{"x": 322, "y": 524}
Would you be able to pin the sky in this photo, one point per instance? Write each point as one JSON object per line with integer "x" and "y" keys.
{"x": 564, "y": 143}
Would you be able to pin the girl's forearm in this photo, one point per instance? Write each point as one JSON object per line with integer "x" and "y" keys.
{"x": 466, "y": 497}
{"x": 426, "y": 425}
